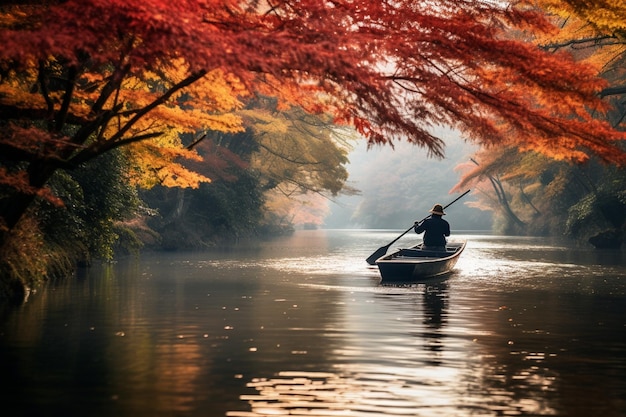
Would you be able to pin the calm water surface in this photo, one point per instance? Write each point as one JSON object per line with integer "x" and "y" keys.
{"x": 302, "y": 326}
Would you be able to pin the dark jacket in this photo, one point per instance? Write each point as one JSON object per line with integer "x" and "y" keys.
{"x": 435, "y": 230}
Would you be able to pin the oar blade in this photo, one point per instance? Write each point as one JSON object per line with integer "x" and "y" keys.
{"x": 379, "y": 252}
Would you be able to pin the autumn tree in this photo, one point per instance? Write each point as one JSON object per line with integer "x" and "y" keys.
{"x": 389, "y": 68}
{"x": 528, "y": 192}
{"x": 556, "y": 197}
{"x": 281, "y": 160}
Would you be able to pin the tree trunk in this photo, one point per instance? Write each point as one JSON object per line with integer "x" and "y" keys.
{"x": 14, "y": 208}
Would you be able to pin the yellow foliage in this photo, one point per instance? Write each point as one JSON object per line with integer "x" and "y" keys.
{"x": 217, "y": 92}
{"x": 590, "y": 30}
{"x": 207, "y": 105}
{"x": 298, "y": 150}
{"x": 155, "y": 164}
{"x": 19, "y": 96}
{"x": 606, "y": 16}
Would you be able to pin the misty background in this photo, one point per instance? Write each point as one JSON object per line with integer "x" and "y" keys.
{"x": 400, "y": 185}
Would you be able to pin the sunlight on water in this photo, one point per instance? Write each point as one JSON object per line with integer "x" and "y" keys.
{"x": 320, "y": 266}
{"x": 444, "y": 370}
{"x": 345, "y": 394}
{"x": 303, "y": 326}
{"x": 400, "y": 392}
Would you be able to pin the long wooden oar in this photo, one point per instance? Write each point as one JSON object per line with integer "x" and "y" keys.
{"x": 383, "y": 249}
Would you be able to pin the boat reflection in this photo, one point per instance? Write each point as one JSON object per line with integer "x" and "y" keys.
{"x": 405, "y": 354}
{"x": 435, "y": 302}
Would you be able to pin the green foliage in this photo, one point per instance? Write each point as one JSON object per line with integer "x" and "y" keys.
{"x": 580, "y": 214}
{"x": 296, "y": 151}
{"x": 108, "y": 199}
{"x": 602, "y": 209}
{"x": 24, "y": 261}
{"x": 218, "y": 212}
{"x": 52, "y": 238}
{"x": 596, "y": 213}
{"x": 232, "y": 208}
{"x": 96, "y": 196}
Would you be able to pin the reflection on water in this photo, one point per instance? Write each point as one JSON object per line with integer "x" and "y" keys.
{"x": 302, "y": 326}
{"x": 370, "y": 388}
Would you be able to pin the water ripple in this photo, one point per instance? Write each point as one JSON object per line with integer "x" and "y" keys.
{"x": 396, "y": 393}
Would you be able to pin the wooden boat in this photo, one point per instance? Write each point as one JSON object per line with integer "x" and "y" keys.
{"x": 416, "y": 264}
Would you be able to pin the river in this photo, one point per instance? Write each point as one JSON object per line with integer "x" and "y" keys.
{"x": 302, "y": 326}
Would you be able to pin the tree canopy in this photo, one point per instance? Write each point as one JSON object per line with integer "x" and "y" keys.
{"x": 82, "y": 77}
{"x": 538, "y": 195}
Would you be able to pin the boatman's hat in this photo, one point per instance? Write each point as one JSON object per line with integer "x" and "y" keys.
{"x": 437, "y": 209}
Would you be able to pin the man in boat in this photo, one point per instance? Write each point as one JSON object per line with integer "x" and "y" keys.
{"x": 435, "y": 229}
